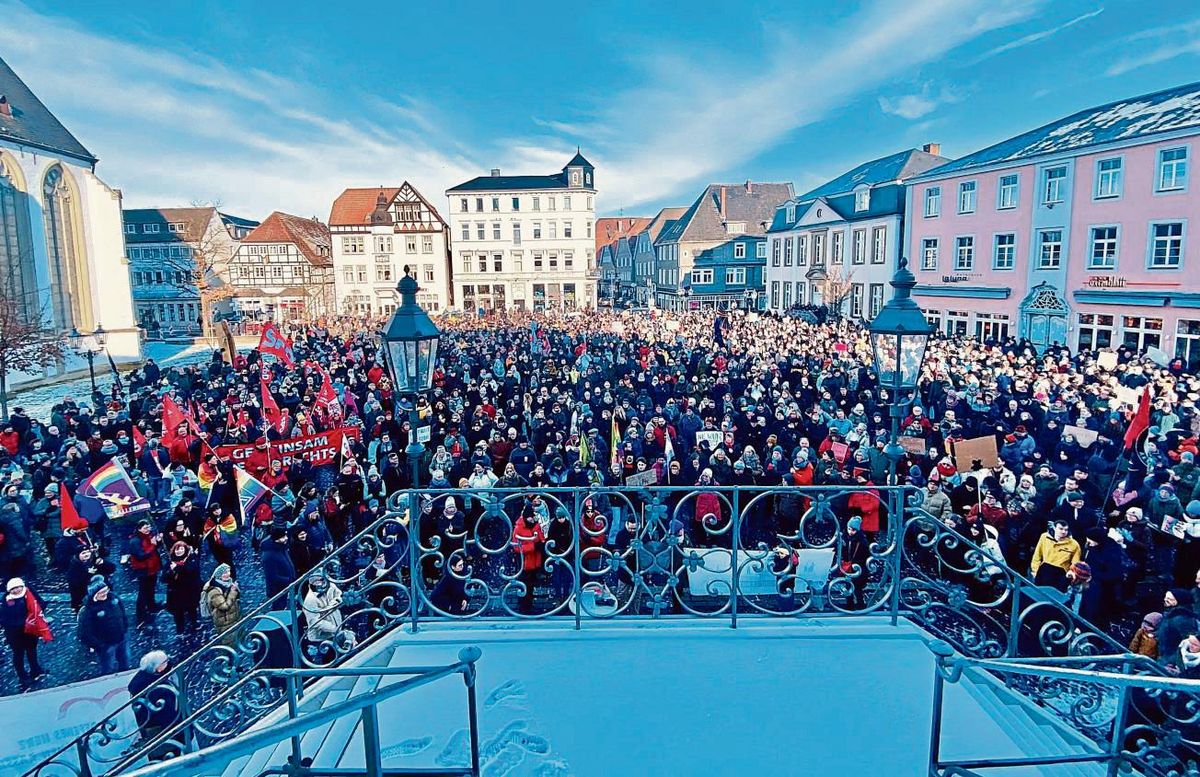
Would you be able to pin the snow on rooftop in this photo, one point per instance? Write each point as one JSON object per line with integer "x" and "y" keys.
{"x": 1166, "y": 111}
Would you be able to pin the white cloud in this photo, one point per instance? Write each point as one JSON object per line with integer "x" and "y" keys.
{"x": 1040, "y": 35}
{"x": 173, "y": 126}
{"x": 914, "y": 106}
{"x": 691, "y": 122}
{"x": 1166, "y": 43}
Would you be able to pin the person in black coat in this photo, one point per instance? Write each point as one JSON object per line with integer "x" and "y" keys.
{"x": 13, "y": 612}
{"x": 279, "y": 571}
{"x": 1101, "y": 599}
{"x": 182, "y": 579}
{"x": 86, "y": 564}
{"x": 450, "y": 593}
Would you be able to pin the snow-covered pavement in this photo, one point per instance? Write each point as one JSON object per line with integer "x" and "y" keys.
{"x": 38, "y": 401}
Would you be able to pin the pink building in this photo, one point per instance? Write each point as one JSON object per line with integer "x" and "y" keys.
{"x": 1075, "y": 233}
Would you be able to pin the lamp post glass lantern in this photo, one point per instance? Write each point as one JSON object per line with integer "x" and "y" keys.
{"x": 88, "y": 345}
{"x": 410, "y": 343}
{"x": 899, "y": 336}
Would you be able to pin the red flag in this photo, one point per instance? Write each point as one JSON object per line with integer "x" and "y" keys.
{"x": 327, "y": 399}
{"x": 172, "y": 417}
{"x": 229, "y": 420}
{"x": 139, "y": 441}
{"x": 273, "y": 342}
{"x": 270, "y": 407}
{"x": 1140, "y": 421}
{"x": 68, "y": 515}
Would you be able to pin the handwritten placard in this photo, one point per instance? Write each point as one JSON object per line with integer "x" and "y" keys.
{"x": 713, "y": 437}
{"x": 981, "y": 449}
{"x": 1107, "y": 360}
{"x": 639, "y": 479}
{"x": 1085, "y": 437}
{"x": 914, "y": 446}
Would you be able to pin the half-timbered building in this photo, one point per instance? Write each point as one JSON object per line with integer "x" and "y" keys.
{"x": 376, "y": 234}
{"x": 283, "y": 270}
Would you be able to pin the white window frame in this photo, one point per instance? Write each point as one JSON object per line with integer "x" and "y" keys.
{"x": 929, "y": 253}
{"x": 1048, "y": 262}
{"x": 702, "y": 277}
{"x": 1002, "y": 189}
{"x": 1152, "y": 239}
{"x": 879, "y": 245}
{"x": 1179, "y": 167}
{"x": 739, "y": 250}
{"x": 968, "y": 197}
{"x": 1055, "y": 187}
{"x": 959, "y": 245}
{"x": 933, "y": 202}
{"x": 776, "y": 251}
{"x": 1011, "y": 245}
{"x": 837, "y": 247}
{"x": 1116, "y": 246}
{"x": 735, "y": 276}
{"x": 1114, "y": 176}
{"x": 862, "y": 199}
{"x": 760, "y": 250}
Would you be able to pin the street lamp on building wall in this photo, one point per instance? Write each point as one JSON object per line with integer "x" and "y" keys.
{"x": 899, "y": 337}
{"x": 88, "y": 345}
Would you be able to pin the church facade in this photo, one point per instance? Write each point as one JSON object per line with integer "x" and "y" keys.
{"x": 62, "y": 251}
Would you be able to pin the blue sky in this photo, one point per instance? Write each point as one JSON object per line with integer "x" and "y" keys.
{"x": 280, "y": 105}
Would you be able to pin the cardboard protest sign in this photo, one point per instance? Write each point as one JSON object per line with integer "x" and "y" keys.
{"x": 912, "y": 445}
{"x": 1158, "y": 356}
{"x": 981, "y": 449}
{"x": 319, "y": 449}
{"x": 712, "y": 437}
{"x": 1085, "y": 437}
{"x": 840, "y": 451}
{"x": 647, "y": 478}
{"x": 1106, "y": 360}
{"x": 1123, "y": 395}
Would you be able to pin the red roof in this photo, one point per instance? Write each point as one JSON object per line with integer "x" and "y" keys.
{"x": 354, "y": 207}
{"x": 612, "y": 229}
{"x": 309, "y": 235}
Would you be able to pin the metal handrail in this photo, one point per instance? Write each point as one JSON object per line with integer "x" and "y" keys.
{"x": 295, "y": 725}
{"x": 897, "y": 564}
{"x": 217, "y": 640}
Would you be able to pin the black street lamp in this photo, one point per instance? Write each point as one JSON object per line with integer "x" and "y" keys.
{"x": 410, "y": 346}
{"x": 899, "y": 336}
{"x": 88, "y": 345}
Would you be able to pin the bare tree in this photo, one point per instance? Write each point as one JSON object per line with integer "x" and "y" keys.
{"x": 835, "y": 289}
{"x": 26, "y": 342}
{"x": 203, "y": 269}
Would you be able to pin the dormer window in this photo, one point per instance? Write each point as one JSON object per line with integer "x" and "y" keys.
{"x": 862, "y": 199}
{"x": 735, "y": 227}
{"x": 791, "y": 212}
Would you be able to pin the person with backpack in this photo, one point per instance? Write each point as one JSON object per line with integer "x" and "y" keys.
{"x": 221, "y": 600}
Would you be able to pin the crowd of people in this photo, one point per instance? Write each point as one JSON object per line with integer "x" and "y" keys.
{"x": 554, "y": 401}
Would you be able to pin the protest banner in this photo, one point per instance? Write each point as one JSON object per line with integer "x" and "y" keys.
{"x": 840, "y": 451}
{"x": 647, "y": 478}
{"x": 981, "y": 449}
{"x": 1106, "y": 360}
{"x": 912, "y": 445}
{"x": 318, "y": 449}
{"x": 1085, "y": 437}
{"x": 712, "y": 436}
{"x": 1123, "y": 395}
{"x": 42, "y": 722}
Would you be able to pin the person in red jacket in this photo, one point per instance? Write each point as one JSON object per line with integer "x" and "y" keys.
{"x": 529, "y": 541}
{"x": 10, "y": 440}
{"x": 866, "y": 504}
{"x": 146, "y": 564}
{"x": 708, "y": 509}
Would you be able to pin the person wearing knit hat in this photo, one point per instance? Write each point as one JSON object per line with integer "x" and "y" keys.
{"x": 221, "y": 597}
{"x": 18, "y": 605}
{"x": 104, "y": 627}
{"x": 1145, "y": 639}
{"x": 1178, "y": 620}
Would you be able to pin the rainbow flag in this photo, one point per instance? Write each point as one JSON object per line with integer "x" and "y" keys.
{"x": 250, "y": 491}
{"x": 227, "y": 525}
{"x": 108, "y": 492}
{"x": 616, "y": 443}
{"x": 585, "y": 451}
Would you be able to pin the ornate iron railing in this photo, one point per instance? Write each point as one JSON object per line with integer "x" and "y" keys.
{"x": 1135, "y": 718}
{"x": 363, "y": 705}
{"x": 658, "y": 552}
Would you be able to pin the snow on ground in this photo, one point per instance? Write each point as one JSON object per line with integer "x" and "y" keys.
{"x": 38, "y": 401}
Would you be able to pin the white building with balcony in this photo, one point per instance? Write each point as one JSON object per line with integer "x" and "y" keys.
{"x": 375, "y": 234}
{"x": 525, "y": 241}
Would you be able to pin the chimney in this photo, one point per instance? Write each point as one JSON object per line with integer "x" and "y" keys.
{"x": 495, "y": 172}
{"x": 749, "y": 186}
{"x": 5, "y": 106}
{"x": 932, "y": 148}
{"x": 722, "y": 202}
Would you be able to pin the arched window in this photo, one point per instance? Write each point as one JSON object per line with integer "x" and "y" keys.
{"x": 68, "y": 283}
{"x": 17, "y": 280}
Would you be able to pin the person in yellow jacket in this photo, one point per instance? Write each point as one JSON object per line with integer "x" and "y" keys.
{"x": 1054, "y": 555}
